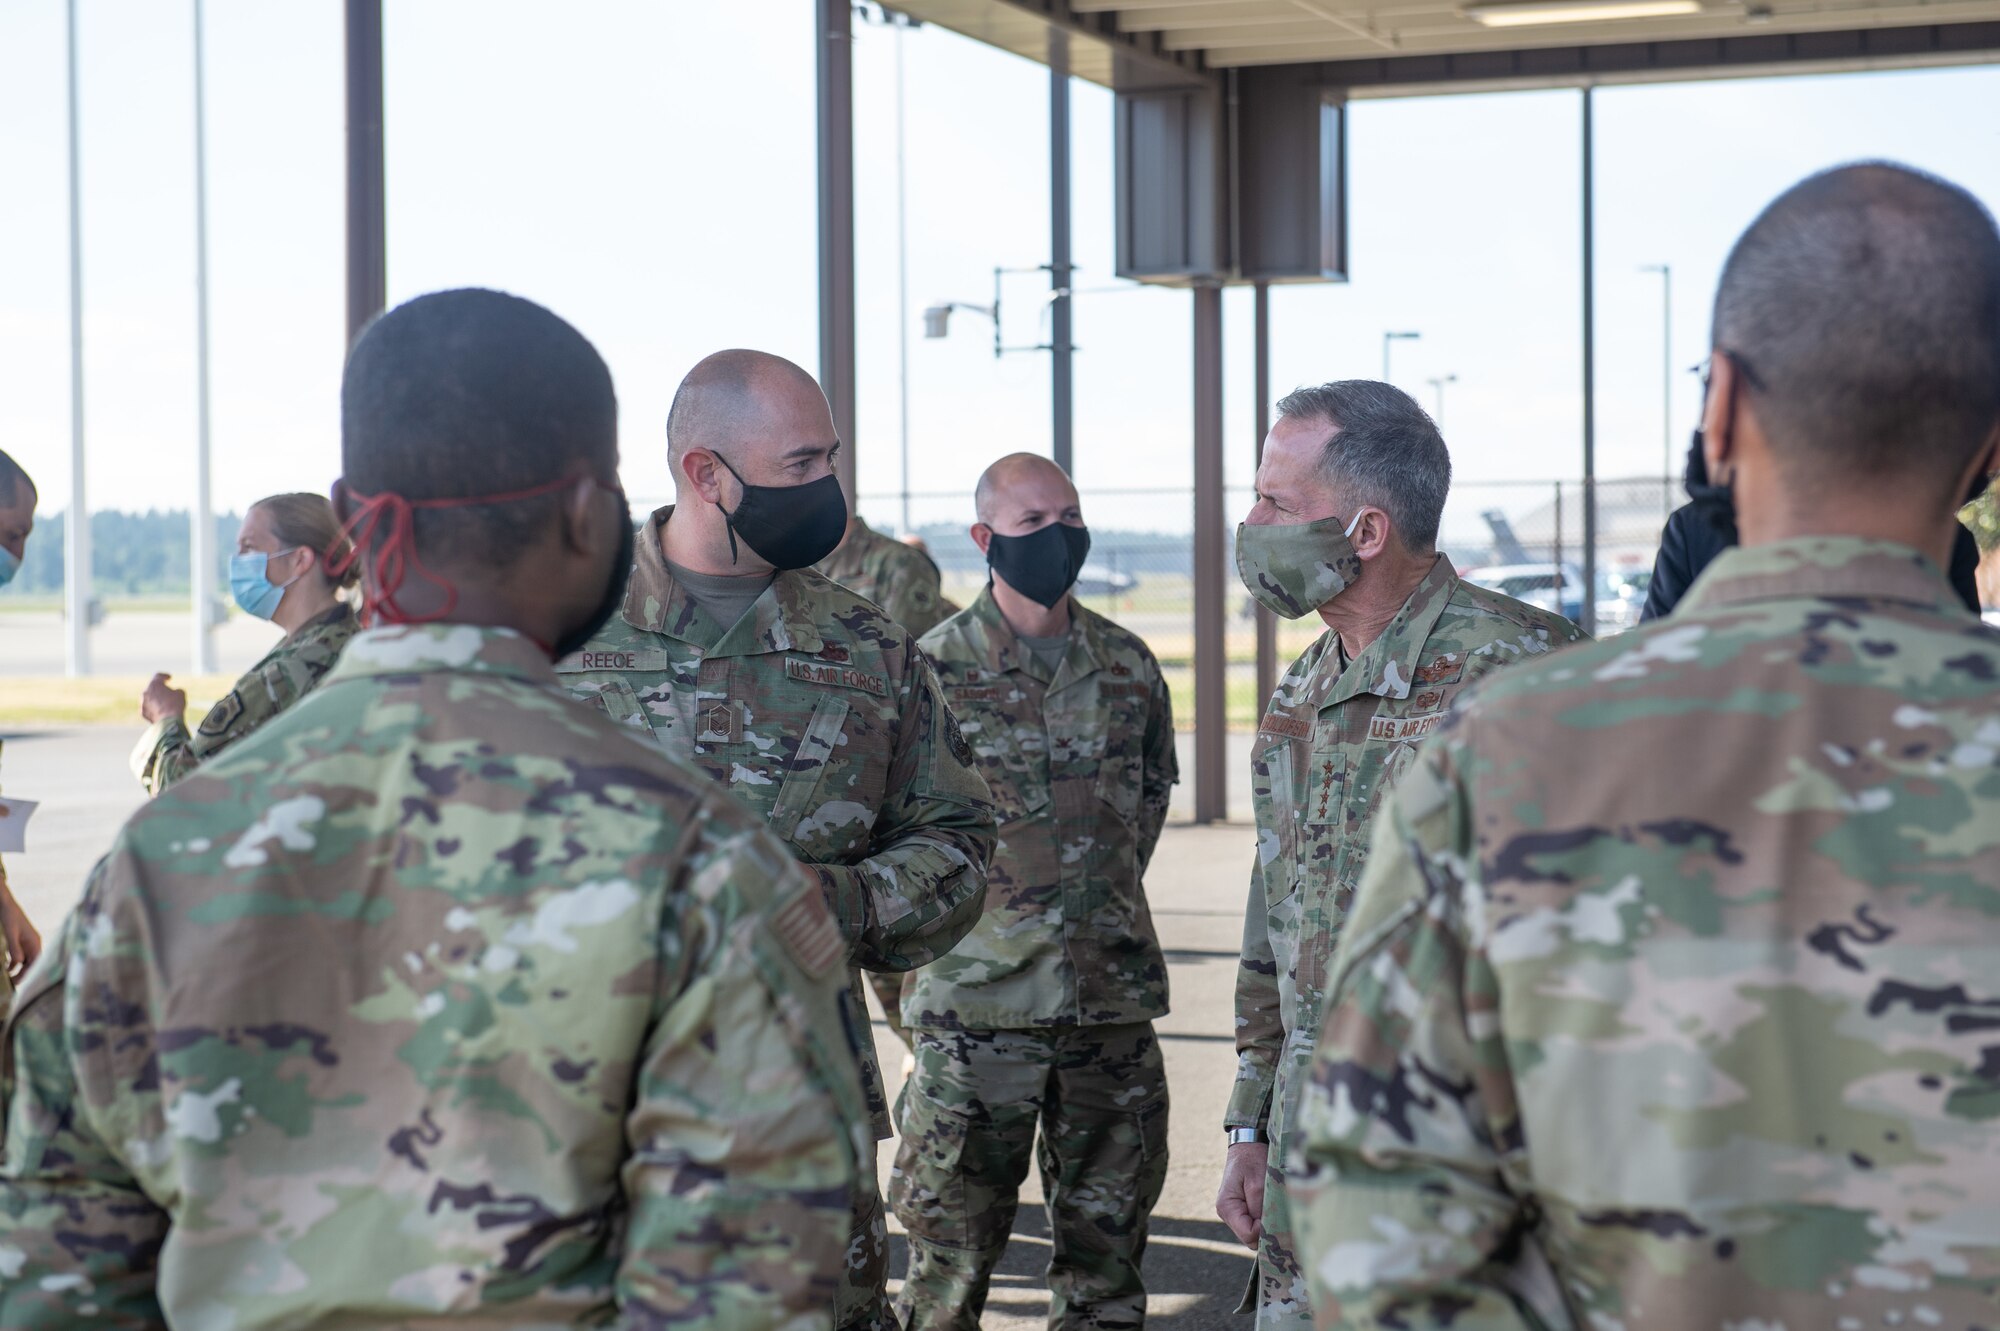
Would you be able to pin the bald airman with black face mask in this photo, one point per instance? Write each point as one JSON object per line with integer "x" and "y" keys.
{"x": 802, "y": 698}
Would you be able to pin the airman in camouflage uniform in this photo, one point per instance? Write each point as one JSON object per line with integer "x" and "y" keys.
{"x": 1044, "y": 1013}
{"x": 167, "y": 752}
{"x": 812, "y": 708}
{"x": 281, "y": 572}
{"x": 440, "y": 1001}
{"x": 1667, "y": 1000}
{"x": 900, "y": 578}
{"x": 20, "y": 943}
{"x": 1406, "y": 635}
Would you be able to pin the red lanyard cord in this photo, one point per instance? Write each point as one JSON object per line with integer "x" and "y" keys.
{"x": 398, "y": 554}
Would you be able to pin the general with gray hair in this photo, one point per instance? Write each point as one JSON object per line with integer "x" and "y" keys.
{"x": 1349, "y": 495}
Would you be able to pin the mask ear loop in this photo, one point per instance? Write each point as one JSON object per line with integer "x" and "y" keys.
{"x": 399, "y": 548}
{"x": 281, "y": 586}
{"x": 1349, "y": 533}
{"x": 729, "y": 523}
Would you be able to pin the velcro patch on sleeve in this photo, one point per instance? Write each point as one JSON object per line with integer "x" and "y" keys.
{"x": 226, "y": 712}
{"x": 637, "y": 658}
{"x": 807, "y": 929}
{"x": 837, "y": 676}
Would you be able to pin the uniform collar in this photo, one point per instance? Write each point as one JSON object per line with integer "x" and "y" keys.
{"x": 338, "y": 614}
{"x": 1002, "y": 648}
{"x": 781, "y": 620}
{"x": 1388, "y": 664}
{"x": 1836, "y": 567}
{"x": 471, "y": 649}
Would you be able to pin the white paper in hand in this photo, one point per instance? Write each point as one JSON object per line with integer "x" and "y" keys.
{"x": 14, "y": 816}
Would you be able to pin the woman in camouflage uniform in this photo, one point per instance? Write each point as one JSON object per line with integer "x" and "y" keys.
{"x": 279, "y": 573}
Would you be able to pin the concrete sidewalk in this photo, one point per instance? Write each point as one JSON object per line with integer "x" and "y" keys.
{"x": 1195, "y": 1269}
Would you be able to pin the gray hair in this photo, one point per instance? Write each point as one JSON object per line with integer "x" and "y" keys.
{"x": 1862, "y": 309}
{"x": 1383, "y": 449}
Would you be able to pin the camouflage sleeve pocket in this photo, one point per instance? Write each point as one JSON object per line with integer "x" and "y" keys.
{"x": 816, "y": 746}
{"x": 1279, "y": 855}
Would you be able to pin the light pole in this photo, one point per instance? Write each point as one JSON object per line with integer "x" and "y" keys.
{"x": 1387, "y": 338}
{"x": 1666, "y": 272}
{"x": 201, "y": 541}
{"x": 902, "y": 283}
{"x": 76, "y": 527}
{"x": 1437, "y": 387}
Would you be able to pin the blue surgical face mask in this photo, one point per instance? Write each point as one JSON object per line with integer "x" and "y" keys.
{"x": 10, "y": 564}
{"x": 254, "y": 591}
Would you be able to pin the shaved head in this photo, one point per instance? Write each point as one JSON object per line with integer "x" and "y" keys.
{"x": 741, "y": 403}
{"x": 1863, "y": 310}
{"x": 1018, "y": 483}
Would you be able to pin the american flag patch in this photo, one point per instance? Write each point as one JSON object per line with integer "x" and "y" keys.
{"x": 806, "y": 928}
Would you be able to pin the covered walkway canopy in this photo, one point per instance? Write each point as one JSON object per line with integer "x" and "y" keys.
{"x": 1231, "y": 167}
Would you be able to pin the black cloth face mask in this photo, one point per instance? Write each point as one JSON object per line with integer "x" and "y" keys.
{"x": 614, "y": 588}
{"x": 1044, "y": 564}
{"x": 788, "y": 526}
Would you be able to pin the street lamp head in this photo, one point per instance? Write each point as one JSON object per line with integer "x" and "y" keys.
{"x": 937, "y": 319}
{"x": 1411, "y": 336}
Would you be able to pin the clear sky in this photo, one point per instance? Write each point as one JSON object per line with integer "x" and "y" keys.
{"x": 647, "y": 171}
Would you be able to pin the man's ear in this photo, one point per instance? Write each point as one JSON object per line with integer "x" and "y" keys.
{"x": 1371, "y": 534}
{"x": 1718, "y": 421}
{"x": 982, "y": 536}
{"x": 579, "y": 534}
{"x": 704, "y": 471}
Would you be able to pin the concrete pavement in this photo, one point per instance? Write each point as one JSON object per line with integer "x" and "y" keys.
{"x": 1194, "y": 1269}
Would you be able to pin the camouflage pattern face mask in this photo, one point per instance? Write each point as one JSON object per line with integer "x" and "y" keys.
{"x": 1295, "y": 568}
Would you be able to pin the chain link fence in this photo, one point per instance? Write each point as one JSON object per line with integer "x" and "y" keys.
{"x": 1522, "y": 537}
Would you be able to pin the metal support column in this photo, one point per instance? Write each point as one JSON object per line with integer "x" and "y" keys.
{"x": 834, "y": 56}
{"x": 1589, "y": 379}
{"x": 367, "y": 227}
{"x": 201, "y": 540}
{"x": 1211, "y": 662}
{"x": 76, "y": 527}
{"x": 1267, "y": 623}
{"x": 1061, "y": 358}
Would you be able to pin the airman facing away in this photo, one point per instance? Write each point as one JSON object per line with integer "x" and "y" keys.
{"x": 440, "y": 1000}
{"x": 1668, "y": 999}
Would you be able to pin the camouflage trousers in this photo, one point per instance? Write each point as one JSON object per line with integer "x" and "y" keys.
{"x": 1278, "y": 1296}
{"x": 968, "y": 1117}
{"x": 863, "y": 1301}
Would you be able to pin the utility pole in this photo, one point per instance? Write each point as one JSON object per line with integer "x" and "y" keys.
{"x": 1589, "y": 380}
{"x": 1387, "y": 339}
{"x": 1437, "y": 387}
{"x": 1666, "y": 272}
{"x": 76, "y": 530}
{"x": 201, "y": 542}
{"x": 1062, "y": 354}
{"x": 902, "y": 277}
